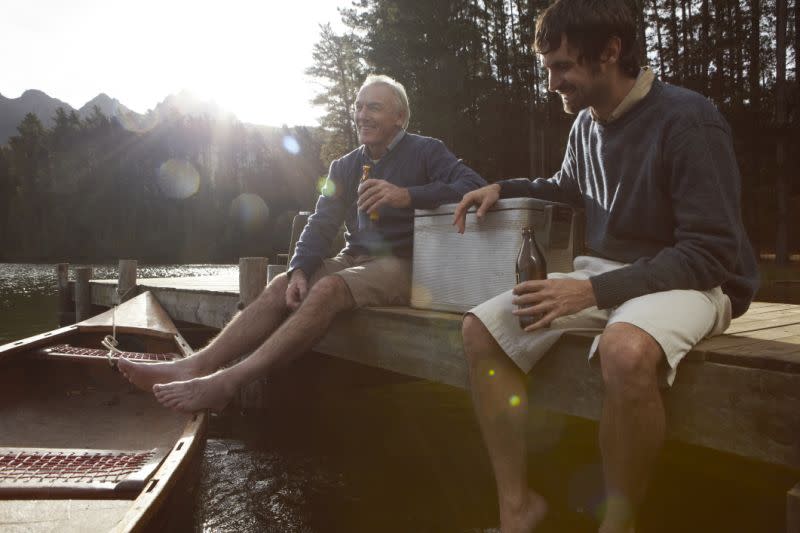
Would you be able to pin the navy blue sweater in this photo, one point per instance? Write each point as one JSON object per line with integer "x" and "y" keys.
{"x": 661, "y": 189}
{"x": 424, "y": 166}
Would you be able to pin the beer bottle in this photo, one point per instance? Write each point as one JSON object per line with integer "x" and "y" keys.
{"x": 531, "y": 265}
{"x": 366, "y": 221}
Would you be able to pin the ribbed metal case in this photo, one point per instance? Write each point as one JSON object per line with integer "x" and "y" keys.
{"x": 455, "y": 272}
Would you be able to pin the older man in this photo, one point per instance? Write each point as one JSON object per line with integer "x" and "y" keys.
{"x": 373, "y": 190}
{"x": 654, "y": 168}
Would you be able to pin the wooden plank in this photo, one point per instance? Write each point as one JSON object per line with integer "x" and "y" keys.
{"x": 83, "y": 294}
{"x": 126, "y": 286}
{"x": 252, "y": 279}
{"x": 723, "y": 342}
{"x": 779, "y": 354}
{"x": 767, "y": 320}
{"x": 424, "y": 344}
{"x": 757, "y": 308}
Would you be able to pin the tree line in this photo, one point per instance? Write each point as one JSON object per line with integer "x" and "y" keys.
{"x": 177, "y": 189}
{"x": 475, "y": 81}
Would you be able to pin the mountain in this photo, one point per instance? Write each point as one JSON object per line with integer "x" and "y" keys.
{"x": 13, "y": 110}
{"x": 111, "y": 107}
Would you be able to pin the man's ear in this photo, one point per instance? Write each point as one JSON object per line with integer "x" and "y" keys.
{"x": 612, "y": 50}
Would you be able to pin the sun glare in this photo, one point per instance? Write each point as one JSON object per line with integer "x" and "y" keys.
{"x": 249, "y": 57}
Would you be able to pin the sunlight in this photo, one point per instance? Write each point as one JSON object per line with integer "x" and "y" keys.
{"x": 248, "y": 57}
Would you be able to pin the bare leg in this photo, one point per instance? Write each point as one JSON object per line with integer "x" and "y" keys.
{"x": 242, "y": 335}
{"x": 501, "y": 404}
{"x": 632, "y": 423}
{"x": 298, "y": 334}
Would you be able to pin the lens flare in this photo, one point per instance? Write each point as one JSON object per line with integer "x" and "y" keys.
{"x": 326, "y": 187}
{"x": 291, "y": 145}
{"x": 250, "y": 211}
{"x": 178, "y": 179}
{"x": 137, "y": 123}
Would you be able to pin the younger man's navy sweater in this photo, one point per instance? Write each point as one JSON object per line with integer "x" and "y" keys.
{"x": 661, "y": 190}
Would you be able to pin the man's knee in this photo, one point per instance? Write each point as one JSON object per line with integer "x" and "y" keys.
{"x": 275, "y": 291}
{"x": 629, "y": 358}
{"x": 330, "y": 293}
{"x": 474, "y": 334}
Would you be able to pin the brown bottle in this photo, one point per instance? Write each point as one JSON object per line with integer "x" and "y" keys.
{"x": 531, "y": 265}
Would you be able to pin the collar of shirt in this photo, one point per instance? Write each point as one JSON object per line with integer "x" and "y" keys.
{"x": 644, "y": 82}
{"x": 397, "y": 138}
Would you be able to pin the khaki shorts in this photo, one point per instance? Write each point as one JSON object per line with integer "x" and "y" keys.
{"x": 373, "y": 281}
{"x": 676, "y": 319}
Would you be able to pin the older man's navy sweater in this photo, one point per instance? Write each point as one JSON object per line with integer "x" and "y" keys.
{"x": 423, "y": 165}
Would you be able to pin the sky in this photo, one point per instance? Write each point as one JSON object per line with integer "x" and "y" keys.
{"x": 248, "y": 56}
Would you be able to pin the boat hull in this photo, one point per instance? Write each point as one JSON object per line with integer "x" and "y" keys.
{"x": 81, "y": 449}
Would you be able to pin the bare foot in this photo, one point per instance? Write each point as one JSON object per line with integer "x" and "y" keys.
{"x": 523, "y": 518}
{"x": 619, "y": 516}
{"x": 145, "y": 375}
{"x": 206, "y": 392}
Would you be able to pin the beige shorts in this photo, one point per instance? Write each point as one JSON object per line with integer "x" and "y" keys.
{"x": 676, "y": 319}
{"x": 373, "y": 281}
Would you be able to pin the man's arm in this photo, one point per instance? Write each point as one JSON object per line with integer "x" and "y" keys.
{"x": 449, "y": 179}
{"x": 704, "y": 188}
{"x": 322, "y": 226}
{"x": 562, "y": 187}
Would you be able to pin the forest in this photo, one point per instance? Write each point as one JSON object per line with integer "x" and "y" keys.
{"x": 191, "y": 189}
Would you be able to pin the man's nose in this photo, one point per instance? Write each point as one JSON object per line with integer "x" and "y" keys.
{"x": 553, "y": 82}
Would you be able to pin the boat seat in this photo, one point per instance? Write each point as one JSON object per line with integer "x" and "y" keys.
{"x": 75, "y": 352}
{"x": 70, "y": 472}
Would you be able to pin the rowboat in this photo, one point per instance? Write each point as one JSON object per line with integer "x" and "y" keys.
{"x": 80, "y": 448}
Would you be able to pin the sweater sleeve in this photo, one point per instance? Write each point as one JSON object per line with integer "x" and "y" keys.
{"x": 323, "y": 225}
{"x": 704, "y": 189}
{"x": 449, "y": 178}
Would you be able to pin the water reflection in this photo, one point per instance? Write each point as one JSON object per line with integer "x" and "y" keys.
{"x": 28, "y": 292}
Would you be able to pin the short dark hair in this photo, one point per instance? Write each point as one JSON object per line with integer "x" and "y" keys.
{"x": 588, "y": 25}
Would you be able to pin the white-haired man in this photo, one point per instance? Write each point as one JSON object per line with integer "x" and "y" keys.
{"x": 405, "y": 171}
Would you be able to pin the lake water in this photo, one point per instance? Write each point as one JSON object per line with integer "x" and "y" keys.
{"x": 342, "y": 448}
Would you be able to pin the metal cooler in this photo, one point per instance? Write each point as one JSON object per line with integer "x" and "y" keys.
{"x": 454, "y": 272}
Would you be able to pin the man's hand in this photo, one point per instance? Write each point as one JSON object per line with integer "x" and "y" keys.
{"x": 552, "y": 298}
{"x": 374, "y": 193}
{"x": 297, "y": 290}
{"x": 484, "y": 198}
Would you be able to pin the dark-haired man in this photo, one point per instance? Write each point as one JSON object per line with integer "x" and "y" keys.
{"x": 653, "y": 167}
{"x": 407, "y": 171}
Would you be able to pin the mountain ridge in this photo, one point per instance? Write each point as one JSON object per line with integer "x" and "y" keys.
{"x": 44, "y": 106}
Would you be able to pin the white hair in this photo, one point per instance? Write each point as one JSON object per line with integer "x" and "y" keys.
{"x": 398, "y": 90}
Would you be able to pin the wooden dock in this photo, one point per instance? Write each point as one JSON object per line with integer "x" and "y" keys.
{"x": 738, "y": 393}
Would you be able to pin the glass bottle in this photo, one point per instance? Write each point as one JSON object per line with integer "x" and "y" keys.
{"x": 531, "y": 265}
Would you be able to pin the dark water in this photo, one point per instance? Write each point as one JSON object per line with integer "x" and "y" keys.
{"x": 342, "y": 448}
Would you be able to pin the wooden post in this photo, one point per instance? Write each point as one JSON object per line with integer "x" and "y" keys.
{"x": 126, "y": 286}
{"x": 66, "y": 311}
{"x": 83, "y": 293}
{"x": 793, "y": 510}
{"x": 252, "y": 279}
